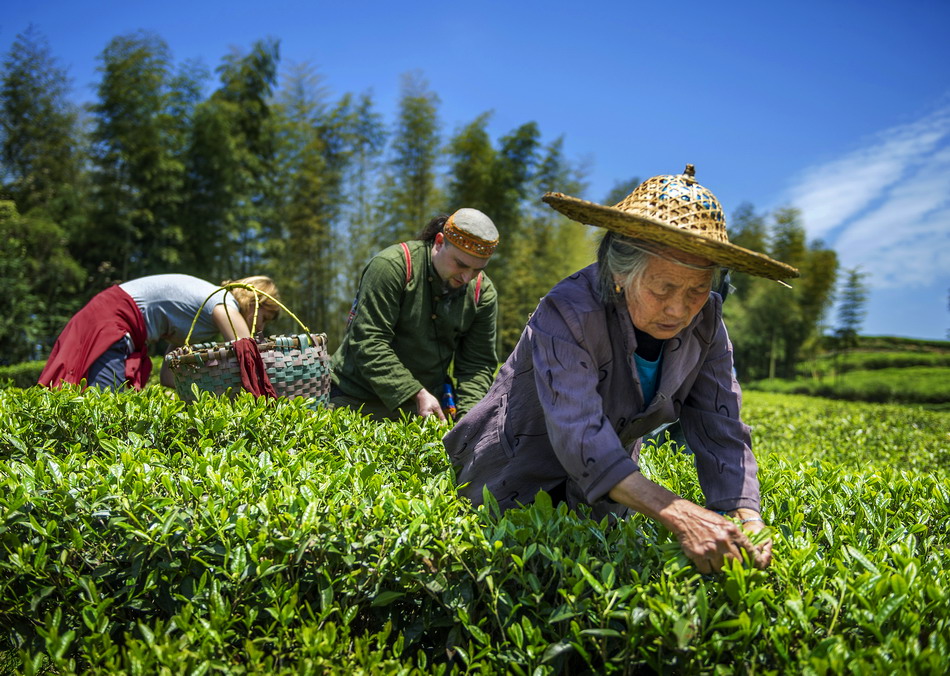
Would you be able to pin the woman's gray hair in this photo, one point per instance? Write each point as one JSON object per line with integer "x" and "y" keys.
{"x": 623, "y": 260}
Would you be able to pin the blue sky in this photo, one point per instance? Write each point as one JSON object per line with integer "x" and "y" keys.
{"x": 840, "y": 108}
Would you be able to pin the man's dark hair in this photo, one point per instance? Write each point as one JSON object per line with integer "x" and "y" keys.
{"x": 433, "y": 227}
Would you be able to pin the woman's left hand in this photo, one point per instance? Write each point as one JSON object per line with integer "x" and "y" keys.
{"x": 751, "y": 521}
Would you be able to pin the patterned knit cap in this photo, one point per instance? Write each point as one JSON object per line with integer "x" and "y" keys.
{"x": 471, "y": 231}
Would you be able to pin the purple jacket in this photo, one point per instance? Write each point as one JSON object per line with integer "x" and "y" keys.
{"x": 567, "y": 405}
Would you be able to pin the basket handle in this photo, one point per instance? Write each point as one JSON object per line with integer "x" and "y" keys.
{"x": 257, "y": 304}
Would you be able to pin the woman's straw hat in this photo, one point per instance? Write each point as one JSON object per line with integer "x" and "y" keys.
{"x": 677, "y": 212}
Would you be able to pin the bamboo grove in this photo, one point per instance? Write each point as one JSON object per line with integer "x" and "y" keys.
{"x": 257, "y": 168}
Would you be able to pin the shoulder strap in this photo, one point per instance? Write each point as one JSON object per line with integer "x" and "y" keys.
{"x": 405, "y": 250}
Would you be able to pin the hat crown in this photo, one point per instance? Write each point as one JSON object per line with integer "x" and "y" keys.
{"x": 680, "y": 202}
{"x": 472, "y": 231}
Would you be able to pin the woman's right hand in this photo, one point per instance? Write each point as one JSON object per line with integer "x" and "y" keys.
{"x": 708, "y": 539}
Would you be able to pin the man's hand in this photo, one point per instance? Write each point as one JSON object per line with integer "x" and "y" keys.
{"x": 426, "y": 404}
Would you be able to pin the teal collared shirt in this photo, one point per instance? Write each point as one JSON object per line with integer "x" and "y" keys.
{"x": 648, "y": 372}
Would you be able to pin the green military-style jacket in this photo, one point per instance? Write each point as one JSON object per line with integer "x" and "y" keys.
{"x": 403, "y": 335}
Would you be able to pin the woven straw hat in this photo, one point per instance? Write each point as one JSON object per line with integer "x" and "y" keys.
{"x": 677, "y": 212}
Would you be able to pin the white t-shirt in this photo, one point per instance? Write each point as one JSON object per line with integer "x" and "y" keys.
{"x": 169, "y": 304}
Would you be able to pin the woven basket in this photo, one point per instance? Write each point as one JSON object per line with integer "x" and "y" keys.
{"x": 297, "y": 366}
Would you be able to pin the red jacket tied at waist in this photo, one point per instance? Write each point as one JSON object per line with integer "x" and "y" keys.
{"x": 101, "y": 322}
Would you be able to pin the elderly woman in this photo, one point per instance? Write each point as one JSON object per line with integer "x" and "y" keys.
{"x": 615, "y": 350}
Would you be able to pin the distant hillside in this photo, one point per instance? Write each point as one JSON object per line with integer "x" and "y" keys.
{"x": 879, "y": 369}
{"x": 906, "y": 344}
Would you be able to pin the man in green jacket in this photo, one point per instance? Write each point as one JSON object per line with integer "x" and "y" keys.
{"x": 422, "y": 306}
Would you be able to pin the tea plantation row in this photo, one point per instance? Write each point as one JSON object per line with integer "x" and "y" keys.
{"x": 141, "y": 535}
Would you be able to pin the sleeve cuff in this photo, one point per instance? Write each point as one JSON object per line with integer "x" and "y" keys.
{"x": 616, "y": 473}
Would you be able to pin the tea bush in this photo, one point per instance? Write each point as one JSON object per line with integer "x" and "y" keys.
{"x": 909, "y": 385}
{"x": 142, "y": 535}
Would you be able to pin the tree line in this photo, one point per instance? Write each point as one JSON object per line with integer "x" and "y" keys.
{"x": 254, "y": 171}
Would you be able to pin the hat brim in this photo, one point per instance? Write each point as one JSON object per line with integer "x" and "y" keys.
{"x": 653, "y": 230}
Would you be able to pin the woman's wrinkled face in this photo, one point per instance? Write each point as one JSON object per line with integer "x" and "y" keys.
{"x": 666, "y": 298}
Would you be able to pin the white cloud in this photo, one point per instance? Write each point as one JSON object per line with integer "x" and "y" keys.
{"x": 886, "y": 206}
{"x": 906, "y": 240}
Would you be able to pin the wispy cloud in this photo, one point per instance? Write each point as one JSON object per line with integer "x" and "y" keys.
{"x": 886, "y": 205}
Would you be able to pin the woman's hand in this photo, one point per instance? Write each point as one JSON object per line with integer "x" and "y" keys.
{"x": 707, "y": 538}
{"x": 753, "y": 524}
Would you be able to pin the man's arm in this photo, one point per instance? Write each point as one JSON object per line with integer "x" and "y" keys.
{"x": 372, "y": 331}
{"x": 476, "y": 358}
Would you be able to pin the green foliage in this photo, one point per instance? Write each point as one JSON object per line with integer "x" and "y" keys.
{"x": 24, "y": 374}
{"x": 39, "y": 136}
{"x": 904, "y": 385}
{"x": 27, "y": 374}
{"x": 826, "y": 365}
{"x": 43, "y": 277}
{"x": 880, "y": 370}
{"x": 851, "y": 308}
{"x": 409, "y": 195}
{"x": 138, "y": 178}
{"x": 771, "y": 325}
{"x": 141, "y": 535}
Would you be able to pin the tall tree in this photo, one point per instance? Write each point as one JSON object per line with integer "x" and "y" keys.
{"x": 367, "y": 141}
{"x": 546, "y": 246}
{"x": 770, "y": 326}
{"x": 747, "y": 229}
{"x": 230, "y": 166}
{"x": 39, "y": 133}
{"x": 41, "y": 282}
{"x": 138, "y": 179}
{"x": 471, "y": 176}
{"x": 312, "y": 156}
{"x": 410, "y": 195}
{"x": 851, "y": 307}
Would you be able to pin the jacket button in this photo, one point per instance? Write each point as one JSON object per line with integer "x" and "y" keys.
{"x": 433, "y": 315}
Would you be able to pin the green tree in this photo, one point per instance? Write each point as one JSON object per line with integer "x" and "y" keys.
{"x": 312, "y": 157}
{"x": 366, "y": 140}
{"x": 138, "y": 179}
{"x": 231, "y": 206}
{"x": 771, "y": 326}
{"x": 41, "y": 283}
{"x": 471, "y": 176}
{"x": 545, "y": 247}
{"x": 851, "y": 307}
{"x": 749, "y": 230}
{"x": 410, "y": 196}
{"x": 39, "y": 134}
